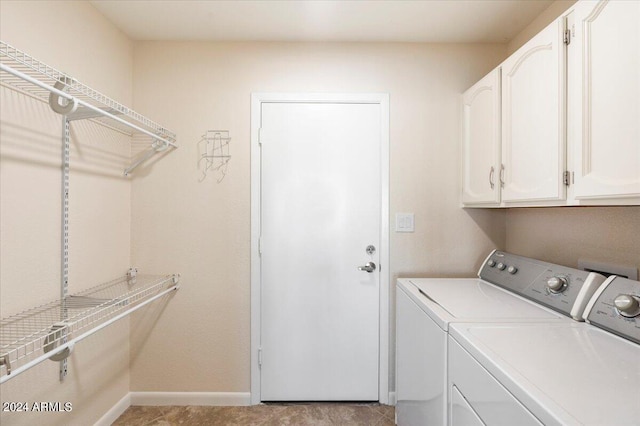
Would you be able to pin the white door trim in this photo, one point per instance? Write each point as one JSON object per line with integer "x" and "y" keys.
{"x": 372, "y": 98}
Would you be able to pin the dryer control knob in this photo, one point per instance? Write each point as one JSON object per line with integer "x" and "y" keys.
{"x": 501, "y": 266}
{"x": 512, "y": 269}
{"x": 491, "y": 263}
{"x": 557, "y": 284}
{"x": 627, "y": 305}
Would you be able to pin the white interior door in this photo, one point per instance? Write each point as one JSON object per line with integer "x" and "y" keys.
{"x": 320, "y": 210}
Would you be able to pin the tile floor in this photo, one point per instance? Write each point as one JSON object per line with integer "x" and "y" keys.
{"x": 298, "y": 414}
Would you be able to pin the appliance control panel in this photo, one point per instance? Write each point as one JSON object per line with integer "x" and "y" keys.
{"x": 616, "y": 308}
{"x": 563, "y": 289}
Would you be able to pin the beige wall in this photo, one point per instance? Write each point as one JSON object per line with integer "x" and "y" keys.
{"x": 545, "y": 18}
{"x": 565, "y": 235}
{"x": 72, "y": 37}
{"x": 201, "y": 341}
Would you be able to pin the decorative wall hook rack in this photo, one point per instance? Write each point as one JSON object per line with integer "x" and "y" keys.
{"x": 215, "y": 154}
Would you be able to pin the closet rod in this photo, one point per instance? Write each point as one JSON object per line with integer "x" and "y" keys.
{"x": 84, "y": 104}
{"x": 83, "y": 336}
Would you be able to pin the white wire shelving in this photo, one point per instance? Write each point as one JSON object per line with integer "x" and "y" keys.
{"x": 77, "y": 101}
{"x": 38, "y": 334}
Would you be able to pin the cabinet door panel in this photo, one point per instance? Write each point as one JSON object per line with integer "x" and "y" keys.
{"x": 481, "y": 141}
{"x": 533, "y": 120}
{"x": 605, "y": 114}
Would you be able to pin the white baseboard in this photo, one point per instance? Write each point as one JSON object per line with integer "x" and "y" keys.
{"x": 392, "y": 398}
{"x": 191, "y": 398}
{"x": 173, "y": 398}
{"x": 115, "y": 411}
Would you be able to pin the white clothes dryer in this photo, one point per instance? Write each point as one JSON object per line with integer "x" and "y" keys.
{"x": 509, "y": 289}
{"x": 551, "y": 374}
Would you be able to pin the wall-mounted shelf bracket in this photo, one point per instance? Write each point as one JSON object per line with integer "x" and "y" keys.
{"x": 156, "y": 147}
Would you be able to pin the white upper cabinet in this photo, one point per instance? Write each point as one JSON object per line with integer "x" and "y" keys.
{"x": 569, "y": 115}
{"x": 604, "y": 100}
{"x": 481, "y": 142}
{"x": 533, "y": 133}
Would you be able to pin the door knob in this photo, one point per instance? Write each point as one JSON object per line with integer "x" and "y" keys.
{"x": 369, "y": 267}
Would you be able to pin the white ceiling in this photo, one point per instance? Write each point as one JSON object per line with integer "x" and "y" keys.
{"x": 437, "y": 21}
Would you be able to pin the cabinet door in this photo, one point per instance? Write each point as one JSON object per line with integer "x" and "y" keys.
{"x": 533, "y": 135}
{"x": 481, "y": 141}
{"x": 604, "y": 98}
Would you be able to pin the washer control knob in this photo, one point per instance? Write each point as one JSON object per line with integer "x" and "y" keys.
{"x": 512, "y": 269}
{"x": 501, "y": 266}
{"x": 627, "y": 305}
{"x": 491, "y": 263}
{"x": 557, "y": 284}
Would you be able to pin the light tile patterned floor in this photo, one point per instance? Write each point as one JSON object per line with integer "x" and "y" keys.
{"x": 294, "y": 414}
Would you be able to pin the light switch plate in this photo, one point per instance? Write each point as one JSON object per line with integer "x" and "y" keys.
{"x": 404, "y": 222}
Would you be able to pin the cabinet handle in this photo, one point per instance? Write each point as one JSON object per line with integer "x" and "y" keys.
{"x": 501, "y": 175}
{"x": 491, "y": 173}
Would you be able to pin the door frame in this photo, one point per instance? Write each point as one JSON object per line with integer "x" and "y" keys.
{"x": 257, "y": 99}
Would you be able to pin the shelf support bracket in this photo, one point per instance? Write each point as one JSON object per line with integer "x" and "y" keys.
{"x": 60, "y": 104}
{"x": 4, "y": 360}
{"x": 64, "y": 282}
{"x": 156, "y": 147}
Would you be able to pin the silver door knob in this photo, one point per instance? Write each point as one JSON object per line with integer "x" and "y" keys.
{"x": 369, "y": 267}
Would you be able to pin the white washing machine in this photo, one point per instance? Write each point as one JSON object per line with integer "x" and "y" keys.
{"x": 569, "y": 374}
{"x": 503, "y": 293}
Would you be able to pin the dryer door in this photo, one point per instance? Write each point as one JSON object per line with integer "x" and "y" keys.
{"x": 494, "y": 404}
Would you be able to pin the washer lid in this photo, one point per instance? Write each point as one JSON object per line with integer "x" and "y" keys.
{"x": 475, "y": 299}
{"x": 570, "y": 372}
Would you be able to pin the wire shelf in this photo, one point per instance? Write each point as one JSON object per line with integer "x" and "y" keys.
{"x": 31, "y": 67}
{"x": 37, "y": 334}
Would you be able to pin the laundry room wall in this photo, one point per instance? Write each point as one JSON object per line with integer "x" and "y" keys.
{"x": 73, "y": 37}
{"x": 567, "y": 234}
{"x": 201, "y": 227}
